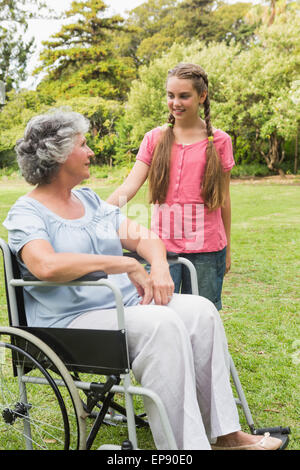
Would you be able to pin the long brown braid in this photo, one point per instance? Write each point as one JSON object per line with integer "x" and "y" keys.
{"x": 213, "y": 181}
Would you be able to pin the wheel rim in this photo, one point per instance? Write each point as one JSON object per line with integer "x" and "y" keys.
{"x": 46, "y": 408}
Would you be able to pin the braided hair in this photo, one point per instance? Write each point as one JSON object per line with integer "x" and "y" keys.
{"x": 212, "y": 189}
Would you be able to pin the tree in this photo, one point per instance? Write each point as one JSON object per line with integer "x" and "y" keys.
{"x": 229, "y": 22}
{"x": 196, "y": 19}
{"x": 279, "y": 115}
{"x": 158, "y": 24}
{"x": 210, "y": 20}
{"x": 81, "y": 59}
{"x": 22, "y": 106}
{"x": 14, "y": 51}
{"x": 154, "y": 29}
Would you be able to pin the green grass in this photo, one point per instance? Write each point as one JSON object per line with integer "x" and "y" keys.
{"x": 260, "y": 295}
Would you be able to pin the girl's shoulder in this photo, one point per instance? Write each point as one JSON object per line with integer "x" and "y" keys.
{"x": 155, "y": 131}
{"x": 149, "y": 142}
{"x": 223, "y": 144}
{"x": 221, "y": 136}
{"x": 26, "y": 204}
{"x": 153, "y": 135}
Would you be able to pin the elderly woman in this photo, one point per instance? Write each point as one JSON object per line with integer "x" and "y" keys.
{"x": 177, "y": 344}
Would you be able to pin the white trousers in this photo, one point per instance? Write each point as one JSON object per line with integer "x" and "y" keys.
{"x": 180, "y": 352}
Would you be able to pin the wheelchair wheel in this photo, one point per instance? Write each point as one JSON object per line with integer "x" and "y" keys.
{"x": 40, "y": 408}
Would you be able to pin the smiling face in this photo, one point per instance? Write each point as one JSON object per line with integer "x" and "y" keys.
{"x": 183, "y": 99}
{"x": 78, "y": 162}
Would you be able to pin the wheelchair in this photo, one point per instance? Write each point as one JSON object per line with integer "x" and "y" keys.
{"x": 54, "y": 417}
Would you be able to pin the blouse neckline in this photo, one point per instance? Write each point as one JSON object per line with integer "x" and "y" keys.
{"x": 58, "y": 217}
{"x": 194, "y": 143}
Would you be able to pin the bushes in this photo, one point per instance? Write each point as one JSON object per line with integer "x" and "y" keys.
{"x": 244, "y": 170}
{"x": 22, "y": 106}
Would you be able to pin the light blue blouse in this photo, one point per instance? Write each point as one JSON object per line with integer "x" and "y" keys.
{"x": 95, "y": 233}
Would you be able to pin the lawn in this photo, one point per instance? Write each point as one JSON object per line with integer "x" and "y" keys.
{"x": 260, "y": 296}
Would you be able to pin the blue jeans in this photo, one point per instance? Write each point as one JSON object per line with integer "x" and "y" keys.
{"x": 210, "y": 269}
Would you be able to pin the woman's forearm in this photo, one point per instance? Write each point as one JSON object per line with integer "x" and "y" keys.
{"x": 64, "y": 267}
{"x": 44, "y": 263}
{"x": 153, "y": 250}
{"x": 147, "y": 244}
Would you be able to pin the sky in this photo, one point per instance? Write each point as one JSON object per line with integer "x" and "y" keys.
{"x": 41, "y": 30}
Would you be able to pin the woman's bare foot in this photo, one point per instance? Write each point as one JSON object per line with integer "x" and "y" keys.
{"x": 242, "y": 441}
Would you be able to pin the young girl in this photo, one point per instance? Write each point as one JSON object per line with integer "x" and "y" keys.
{"x": 188, "y": 164}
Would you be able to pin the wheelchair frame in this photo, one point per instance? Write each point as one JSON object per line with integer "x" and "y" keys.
{"x": 45, "y": 339}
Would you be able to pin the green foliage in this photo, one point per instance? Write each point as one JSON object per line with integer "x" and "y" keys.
{"x": 124, "y": 156}
{"x": 230, "y": 24}
{"x": 102, "y": 115}
{"x": 15, "y": 115}
{"x": 261, "y": 90}
{"x": 14, "y": 50}
{"x": 154, "y": 24}
{"x": 81, "y": 58}
{"x": 24, "y": 105}
{"x": 158, "y": 24}
{"x": 249, "y": 170}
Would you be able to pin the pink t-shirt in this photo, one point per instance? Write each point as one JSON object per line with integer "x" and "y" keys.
{"x": 183, "y": 222}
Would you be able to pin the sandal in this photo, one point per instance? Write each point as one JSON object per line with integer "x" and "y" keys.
{"x": 266, "y": 443}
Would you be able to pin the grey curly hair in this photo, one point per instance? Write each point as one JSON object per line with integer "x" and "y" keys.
{"x": 48, "y": 140}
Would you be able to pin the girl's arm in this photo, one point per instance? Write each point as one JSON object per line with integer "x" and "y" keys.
{"x": 226, "y": 217}
{"x": 131, "y": 185}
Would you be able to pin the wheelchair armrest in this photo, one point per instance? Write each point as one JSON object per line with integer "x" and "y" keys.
{"x": 131, "y": 254}
{"x": 94, "y": 276}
